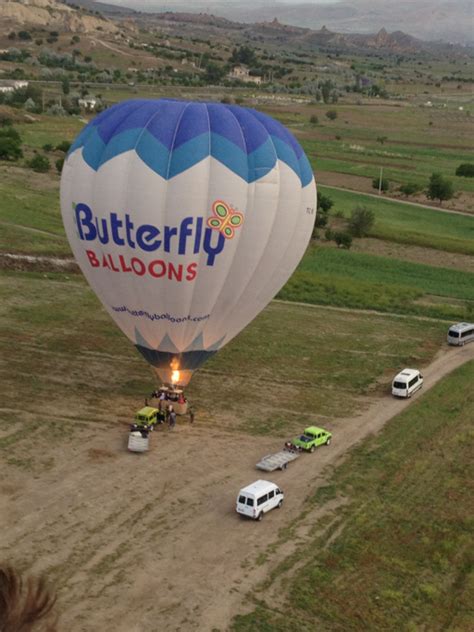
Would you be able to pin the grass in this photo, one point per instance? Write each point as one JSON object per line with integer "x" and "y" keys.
{"x": 408, "y": 224}
{"x": 82, "y": 361}
{"x": 403, "y": 556}
{"x": 330, "y": 276}
{"x": 29, "y": 214}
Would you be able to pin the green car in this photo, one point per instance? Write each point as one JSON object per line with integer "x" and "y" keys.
{"x": 311, "y": 438}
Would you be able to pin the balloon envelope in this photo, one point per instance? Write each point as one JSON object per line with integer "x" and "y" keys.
{"x": 186, "y": 218}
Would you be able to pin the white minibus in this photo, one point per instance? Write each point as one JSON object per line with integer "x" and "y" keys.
{"x": 256, "y": 499}
{"x": 406, "y": 383}
{"x": 460, "y": 334}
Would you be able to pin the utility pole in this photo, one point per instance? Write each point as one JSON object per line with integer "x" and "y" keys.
{"x": 380, "y": 180}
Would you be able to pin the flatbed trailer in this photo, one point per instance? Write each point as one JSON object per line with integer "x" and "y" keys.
{"x": 277, "y": 461}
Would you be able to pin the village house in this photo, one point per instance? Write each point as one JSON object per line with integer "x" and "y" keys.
{"x": 241, "y": 73}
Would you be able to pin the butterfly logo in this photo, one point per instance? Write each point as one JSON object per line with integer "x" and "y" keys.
{"x": 225, "y": 219}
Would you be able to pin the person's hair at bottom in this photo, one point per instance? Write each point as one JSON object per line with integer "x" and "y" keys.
{"x": 25, "y": 604}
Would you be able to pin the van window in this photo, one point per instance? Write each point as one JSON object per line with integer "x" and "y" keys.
{"x": 277, "y": 491}
{"x": 413, "y": 381}
{"x": 262, "y": 499}
{"x": 454, "y": 334}
{"x": 399, "y": 385}
{"x": 271, "y": 494}
{"x": 250, "y": 502}
{"x": 466, "y": 333}
{"x": 242, "y": 500}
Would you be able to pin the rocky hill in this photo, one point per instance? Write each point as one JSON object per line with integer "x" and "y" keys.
{"x": 51, "y": 14}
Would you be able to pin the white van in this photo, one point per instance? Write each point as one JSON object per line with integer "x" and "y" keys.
{"x": 460, "y": 334}
{"x": 256, "y": 499}
{"x": 406, "y": 383}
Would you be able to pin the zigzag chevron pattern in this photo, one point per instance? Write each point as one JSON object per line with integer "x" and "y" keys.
{"x": 172, "y": 136}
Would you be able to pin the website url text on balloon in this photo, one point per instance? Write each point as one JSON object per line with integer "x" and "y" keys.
{"x": 172, "y": 319}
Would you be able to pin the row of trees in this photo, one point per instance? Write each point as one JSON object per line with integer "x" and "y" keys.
{"x": 439, "y": 187}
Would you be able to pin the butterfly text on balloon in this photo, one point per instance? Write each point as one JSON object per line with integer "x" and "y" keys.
{"x": 190, "y": 235}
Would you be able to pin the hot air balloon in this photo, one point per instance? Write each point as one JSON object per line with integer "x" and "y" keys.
{"x": 186, "y": 218}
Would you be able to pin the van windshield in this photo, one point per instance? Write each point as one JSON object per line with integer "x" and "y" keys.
{"x": 399, "y": 385}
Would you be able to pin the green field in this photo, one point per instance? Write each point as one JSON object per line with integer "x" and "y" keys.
{"x": 30, "y": 218}
{"x": 398, "y": 555}
{"x": 408, "y": 224}
{"x": 329, "y": 276}
{"x": 78, "y": 354}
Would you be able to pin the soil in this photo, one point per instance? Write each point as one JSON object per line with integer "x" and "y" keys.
{"x": 148, "y": 542}
{"x": 404, "y": 252}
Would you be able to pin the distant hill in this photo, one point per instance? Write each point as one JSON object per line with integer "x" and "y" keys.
{"x": 51, "y": 14}
{"x": 448, "y": 20}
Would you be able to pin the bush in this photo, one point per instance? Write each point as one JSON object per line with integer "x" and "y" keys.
{"x": 59, "y": 164}
{"x": 343, "y": 239}
{"x": 324, "y": 205}
{"x": 328, "y": 234}
{"x": 39, "y": 163}
{"x": 383, "y": 184}
{"x": 409, "y": 189}
{"x": 331, "y": 115}
{"x": 48, "y": 147}
{"x": 10, "y": 144}
{"x": 9, "y": 149}
{"x": 361, "y": 221}
{"x": 466, "y": 170}
{"x": 64, "y": 146}
{"x": 314, "y": 120}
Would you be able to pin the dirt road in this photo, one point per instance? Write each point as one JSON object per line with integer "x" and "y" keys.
{"x": 141, "y": 543}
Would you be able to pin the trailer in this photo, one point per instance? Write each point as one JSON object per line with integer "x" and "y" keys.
{"x": 277, "y": 461}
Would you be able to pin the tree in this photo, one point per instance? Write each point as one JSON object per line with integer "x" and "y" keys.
{"x": 59, "y": 164}
{"x": 214, "y": 73}
{"x": 361, "y": 221}
{"x": 439, "y": 188}
{"x": 10, "y": 144}
{"x": 244, "y": 55}
{"x": 466, "y": 169}
{"x": 382, "y": 139}
{"x": 383, "y": 184}
{"x": 39, "y": 163}
{"x": 65, "y": 85}
{"x": 323, "y": 207}
{"x": 343, "y": 239}
{"x": 314, "y": 120}
{"x": 331, "y": 115}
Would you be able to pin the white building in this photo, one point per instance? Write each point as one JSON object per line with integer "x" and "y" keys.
{"x": 241, "y": 73}
{"x": 11, "y": 86}
{"x": 88, "y": 103}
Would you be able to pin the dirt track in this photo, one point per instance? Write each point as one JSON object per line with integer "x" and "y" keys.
{"x": 141, "y": 543}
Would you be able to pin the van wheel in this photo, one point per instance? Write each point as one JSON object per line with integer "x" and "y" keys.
{"x": 328, "y": 442}
{"x": 311, "y": 449}
{"x": 260, "y": 516}
{"x": 280, "y": 504}
{"x": 284, "y": 466}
